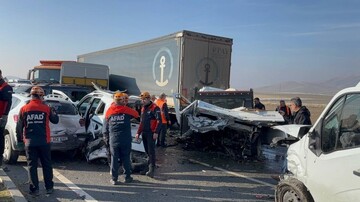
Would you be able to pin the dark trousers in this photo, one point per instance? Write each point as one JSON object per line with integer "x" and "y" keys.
{"x": 162, "y": 135}
{"x": 32, "y": 154}
{"x": 149, "y": 146}
{"x": 122, "y": 152}
{"x": 2, "y": 142}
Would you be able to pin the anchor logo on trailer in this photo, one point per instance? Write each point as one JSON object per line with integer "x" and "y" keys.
{"x": 207, "y": 72}
{"x": 164, "y": 65}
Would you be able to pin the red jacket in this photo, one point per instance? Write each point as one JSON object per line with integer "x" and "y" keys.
{"x": 33, "y": 124}
{"x": 5, "y": 98}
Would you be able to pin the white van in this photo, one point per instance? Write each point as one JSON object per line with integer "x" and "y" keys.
{"x": 324, "y": 164}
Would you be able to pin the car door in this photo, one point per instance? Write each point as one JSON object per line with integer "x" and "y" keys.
{"x": 334, "y": 175}
{"x": 96, "y": 118}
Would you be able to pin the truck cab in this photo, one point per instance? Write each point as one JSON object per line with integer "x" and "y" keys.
{"x": 324, "y": 164}
{"x": 48, "y": 71}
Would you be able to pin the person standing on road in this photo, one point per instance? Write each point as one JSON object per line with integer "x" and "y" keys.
{"x": 165, "y": 119}
{"x": 150, "y": 126}
{"x": 284, "y": 111}
{"x": 300, "y": 115}
{"x": 33, "y": 129}
{"x": 117, "y": 135}
{"x": 5, "y": 104}
{"x": 258, "y": 104}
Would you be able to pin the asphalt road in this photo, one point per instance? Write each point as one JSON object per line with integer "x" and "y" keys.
{"x": 180, "y": 176}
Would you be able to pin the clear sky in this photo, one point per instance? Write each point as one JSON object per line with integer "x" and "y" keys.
{"x": 274, "y": 40}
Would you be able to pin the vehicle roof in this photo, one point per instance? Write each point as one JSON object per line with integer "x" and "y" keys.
{"x": 26, "y": 96}
{"x": 107, "y": 96}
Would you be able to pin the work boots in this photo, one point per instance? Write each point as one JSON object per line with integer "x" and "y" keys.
{"x": 151, "y": 171}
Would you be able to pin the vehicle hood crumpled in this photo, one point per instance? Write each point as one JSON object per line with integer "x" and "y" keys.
{"x": 204, "y": 117}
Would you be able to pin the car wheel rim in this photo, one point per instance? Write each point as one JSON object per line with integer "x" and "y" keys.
{"x": 290, "y": 196}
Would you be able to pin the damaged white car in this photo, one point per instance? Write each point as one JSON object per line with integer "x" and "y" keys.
{"x": 324, "y": 163}
{"x": 93, "y": 108}
{"x": 64, "y": 135}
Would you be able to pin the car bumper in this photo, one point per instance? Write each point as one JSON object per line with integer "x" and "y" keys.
{"x": 65, "y": 143}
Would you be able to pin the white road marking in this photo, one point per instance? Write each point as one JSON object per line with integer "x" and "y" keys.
{"x": 82, "y": 194}
{"x": 16, "y": 194}
{"x": 232, "y": 173}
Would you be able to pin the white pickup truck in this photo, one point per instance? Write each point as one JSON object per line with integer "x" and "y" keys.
{"x": 324, "y": 164}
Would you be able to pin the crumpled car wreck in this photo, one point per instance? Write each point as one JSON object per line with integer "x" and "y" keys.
{"x": 239, "y": 132}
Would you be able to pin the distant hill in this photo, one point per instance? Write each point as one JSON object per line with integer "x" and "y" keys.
{"x": 328, "y": 87}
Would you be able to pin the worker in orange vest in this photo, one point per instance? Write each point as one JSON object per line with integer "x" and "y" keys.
{"x": 165, "y": 119}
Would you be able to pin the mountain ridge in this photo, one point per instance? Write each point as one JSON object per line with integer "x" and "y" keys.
{"x": 327, "y": 87}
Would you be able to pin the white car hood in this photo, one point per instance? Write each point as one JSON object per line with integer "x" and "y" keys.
{"x": 293, "y": 130}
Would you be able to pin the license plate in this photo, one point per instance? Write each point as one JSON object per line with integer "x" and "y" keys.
{"x": 58, "y": 139}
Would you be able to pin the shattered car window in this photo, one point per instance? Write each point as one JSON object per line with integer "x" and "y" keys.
{"x": 62, "y": 108}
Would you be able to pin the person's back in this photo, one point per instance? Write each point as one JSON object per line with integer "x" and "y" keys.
{"x": 165, "y": 119}
{"x": 33, "y": 129}
{"x": 117, "y": 135}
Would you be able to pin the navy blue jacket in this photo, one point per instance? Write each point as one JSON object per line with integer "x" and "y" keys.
{"x": 117, "y": 125}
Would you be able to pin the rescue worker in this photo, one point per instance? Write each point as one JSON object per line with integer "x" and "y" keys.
{"x": 5, "y": 104}
{"x": 258, "y": 104}
{"x": 33, "y": 129}
{"x": 165, "y": 119}
{"x": 284, "y": 111}
{"x": 117, "y": 135}
{"x": 150, "y": 125}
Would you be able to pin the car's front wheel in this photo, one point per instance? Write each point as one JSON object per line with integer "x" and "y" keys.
{"x": 10, "y": 156}
{"x": 292, "y": 190}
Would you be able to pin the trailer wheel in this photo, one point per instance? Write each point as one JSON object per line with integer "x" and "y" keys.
{"x": 292, "y": 190}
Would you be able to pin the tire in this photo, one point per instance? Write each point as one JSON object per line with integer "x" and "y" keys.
{"x": 292, "y": 190}
{"x": 10, "y": 156}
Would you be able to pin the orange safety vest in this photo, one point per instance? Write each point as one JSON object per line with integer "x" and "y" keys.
{"x": 3, "y": 103}
{"x": 160, "y": 103}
